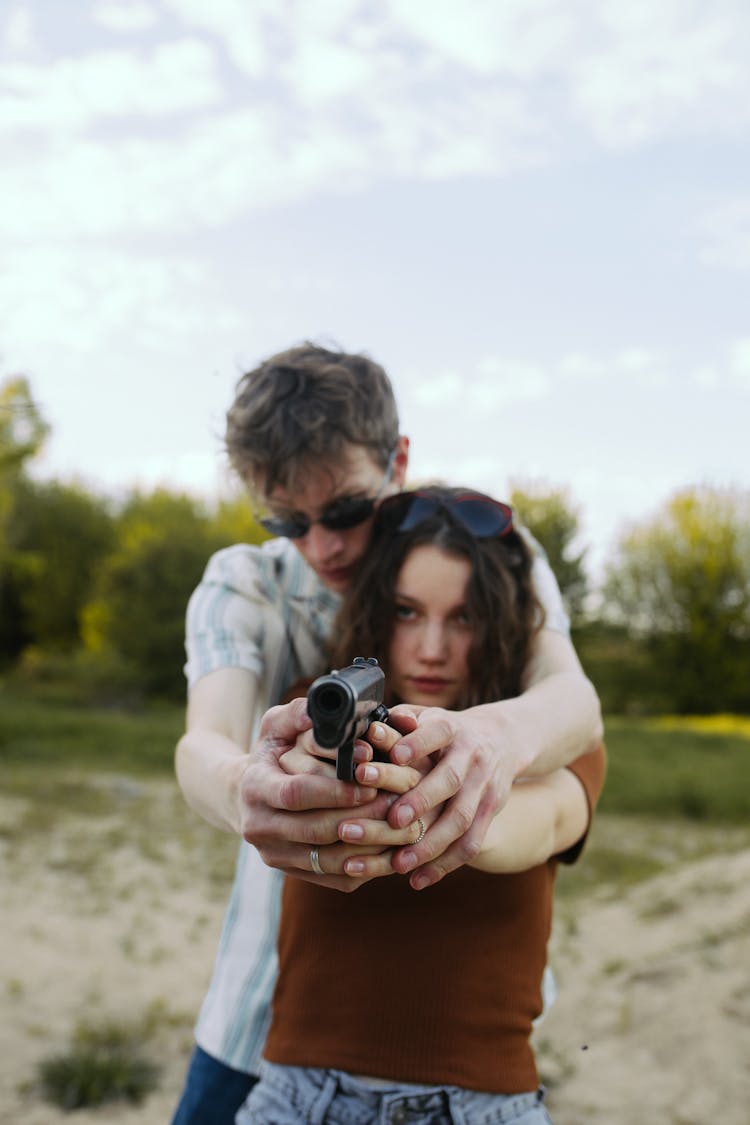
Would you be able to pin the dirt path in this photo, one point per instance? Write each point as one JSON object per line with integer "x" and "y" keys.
{"x": 117, "y": 916}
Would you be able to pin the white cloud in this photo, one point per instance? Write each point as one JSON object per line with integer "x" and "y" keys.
{"x": 664, "y": 70}
{"x": 124, "y": 15}
{"x": 77, "y": 92}
{"x": 219, "y": 170}
{"x": 739, "y": 363}
{"x": 422, "y": 103}
{"x": 500, "y": 382}
{"x": 18, "y": 31}
{"x": 519, "y": 38}
{"x": 320, "y": 71}
{"x": 62, "y": 306}
{"x": 580, "y": 367}
{"x": 442, "y": 389}
{"x": 251, "y": 34}
{"x": 637, "y": 361}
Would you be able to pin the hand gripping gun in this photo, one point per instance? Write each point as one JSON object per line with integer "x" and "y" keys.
{"x": 342, "y": 705}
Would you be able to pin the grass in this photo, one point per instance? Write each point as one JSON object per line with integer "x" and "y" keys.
{"x": 696, "y": 769}
{"x": 105, "y": 1063}
{"x": 41, "y": 729}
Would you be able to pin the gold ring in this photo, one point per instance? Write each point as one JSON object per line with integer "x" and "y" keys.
{"x": 422, "y": 830}
{"x": 315, "y": 862}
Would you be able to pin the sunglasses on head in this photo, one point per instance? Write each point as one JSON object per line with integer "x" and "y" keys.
{"x": 339, "y": 515}
{"x": 482, "y": 516}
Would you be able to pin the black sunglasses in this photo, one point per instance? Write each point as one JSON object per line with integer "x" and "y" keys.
{"x": 482, "y": 516}
{"x": 339, "y": 515}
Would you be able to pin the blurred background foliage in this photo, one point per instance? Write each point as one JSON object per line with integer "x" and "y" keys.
{"x": 93, "y": 590}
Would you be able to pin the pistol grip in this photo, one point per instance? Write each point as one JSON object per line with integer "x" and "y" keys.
{"x": 345, "y": 761}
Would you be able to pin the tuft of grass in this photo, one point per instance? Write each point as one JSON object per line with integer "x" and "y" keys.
{"x": 104, "y": 1064}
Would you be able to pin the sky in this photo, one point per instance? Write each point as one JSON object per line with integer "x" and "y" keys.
{"x": 534, "y": 213}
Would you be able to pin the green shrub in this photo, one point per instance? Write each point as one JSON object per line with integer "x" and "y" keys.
{"x": 104, "y": 1064}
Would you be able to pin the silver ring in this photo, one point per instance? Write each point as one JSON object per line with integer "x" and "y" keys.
{"x": 315, "y": 862}
{"x": 422, "y": 830}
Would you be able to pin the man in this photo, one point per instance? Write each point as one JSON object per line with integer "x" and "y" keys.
{"x": 314, "y": 434}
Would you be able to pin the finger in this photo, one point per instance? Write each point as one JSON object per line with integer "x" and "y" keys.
{"x": 385, "y": 775}
{"x": 434, "y": 731}
{"x": 345, "y": 883}
{"x": 275, "y": 832}
{"x": 452, "y": 820}
{"x": 441, "y": 784}
{"x": 370, "y": 833}
{"x": 296, "y": 792}
{"x": 297, "y": 760}
{"x": 454, "y": 839}
{"x": 461, "y": 852}
{"x": 286, "y": 721}
{"x": 382, "y": 737}
{"x": 337, "y": 866}
{"x": 403, "y": 717}
{"x": 365, "y": 867}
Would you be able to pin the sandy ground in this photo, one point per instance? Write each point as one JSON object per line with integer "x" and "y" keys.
{"x": 115, "y": 915}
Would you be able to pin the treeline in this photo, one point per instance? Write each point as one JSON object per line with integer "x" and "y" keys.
{"x": 93, "y": 591}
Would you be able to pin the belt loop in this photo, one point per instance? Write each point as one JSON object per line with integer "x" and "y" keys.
{"x": 321, "y": 1105}
{"x": 454, "y": 1109}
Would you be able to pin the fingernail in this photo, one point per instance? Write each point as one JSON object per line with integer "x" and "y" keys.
{"x": 405, "y": 816}
{"x": 408, "y": 861}
{"x": 377, "y": 730}
{"x": 352, "y": 832}
{"x": 369, "y": 773}
{"x": 402, "y": 755}
{"x": 419, "y": 882}
{"x": 354, "y": 867}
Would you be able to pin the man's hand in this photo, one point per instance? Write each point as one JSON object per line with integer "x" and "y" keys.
{"x": 470, "y": 780}
{"x": 292, "y": 802}
{"x": 479, "y": 753}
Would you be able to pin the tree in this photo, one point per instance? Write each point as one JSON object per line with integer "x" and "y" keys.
{"x": 554, "y": 519}
{"x": 57, "y": 534}
{"x": 22, "y": 434}
{"x": 22, "y": 428}
{"x": 137, "y": 611}
{"x": 682, "y": 580}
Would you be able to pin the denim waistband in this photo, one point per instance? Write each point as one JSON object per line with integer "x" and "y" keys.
{"x": 287, "y": 1095}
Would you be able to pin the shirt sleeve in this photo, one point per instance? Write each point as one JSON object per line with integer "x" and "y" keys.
{"x": 547, "y": 588}
{"x": 591, "y": 770}
{"x": 227, "y": 615}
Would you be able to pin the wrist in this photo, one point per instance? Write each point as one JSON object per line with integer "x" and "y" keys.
{"x": 505, "y": 731}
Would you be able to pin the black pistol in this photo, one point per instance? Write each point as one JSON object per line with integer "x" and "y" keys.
{"x": 342, "y": 705}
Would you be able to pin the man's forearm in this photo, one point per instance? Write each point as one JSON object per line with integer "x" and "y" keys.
{"x": 209, "y": 768}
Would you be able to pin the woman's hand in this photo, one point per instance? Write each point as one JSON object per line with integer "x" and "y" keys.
{"x": 370, "y": 832}
{"x": 367, "y": 842}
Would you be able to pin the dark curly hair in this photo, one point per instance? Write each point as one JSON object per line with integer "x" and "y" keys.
{"x": 504, "y": 611}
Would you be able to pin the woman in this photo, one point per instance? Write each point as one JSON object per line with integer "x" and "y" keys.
{"x": 367, "y": 1025}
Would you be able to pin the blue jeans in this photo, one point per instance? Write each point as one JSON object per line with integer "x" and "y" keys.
{"x": 213, "y": 1092}
{"x": 291, "y": 1095}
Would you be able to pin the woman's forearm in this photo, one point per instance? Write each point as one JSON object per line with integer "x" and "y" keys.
{"x": 541, "y": 818}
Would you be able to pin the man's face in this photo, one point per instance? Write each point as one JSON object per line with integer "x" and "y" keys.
{"x": 335, "y": 555}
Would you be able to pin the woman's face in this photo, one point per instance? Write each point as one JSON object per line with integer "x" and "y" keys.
{"x": 431, "y": 637}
